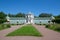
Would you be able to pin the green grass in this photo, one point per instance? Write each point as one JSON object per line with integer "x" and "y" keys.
{"x": 27, "y": 30}
{"x": 55, "y": 27}
{"x": 4, "y": 26}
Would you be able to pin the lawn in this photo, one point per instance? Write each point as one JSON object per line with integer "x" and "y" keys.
{"x": 55, "y": 27}
{"x": 4, "y": 26}
{"x": 27, "y": 30}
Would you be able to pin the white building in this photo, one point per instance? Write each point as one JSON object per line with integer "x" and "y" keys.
{"x": 29, "y": 19}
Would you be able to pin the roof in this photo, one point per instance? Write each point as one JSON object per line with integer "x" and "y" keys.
{"x": 43, "y": 18}
{"x": 17, "y": 18}
{"x": 22, "y": 18}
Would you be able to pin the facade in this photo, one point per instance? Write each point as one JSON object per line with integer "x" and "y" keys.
{"x": 29, "y": 19}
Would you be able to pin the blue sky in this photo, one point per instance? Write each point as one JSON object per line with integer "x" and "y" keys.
{"x": 34, "y": 6}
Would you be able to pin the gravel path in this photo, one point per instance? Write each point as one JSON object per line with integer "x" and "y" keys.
{"x": 4, "y": 32}
{"x": 47, "y": 34}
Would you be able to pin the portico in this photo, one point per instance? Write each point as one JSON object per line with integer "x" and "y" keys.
{"x": 29, "y": 18}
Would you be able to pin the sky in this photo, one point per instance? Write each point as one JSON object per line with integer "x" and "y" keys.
{"x": 35, "y": 6}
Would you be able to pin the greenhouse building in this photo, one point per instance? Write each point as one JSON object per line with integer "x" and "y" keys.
{"x": 29, "y": 19}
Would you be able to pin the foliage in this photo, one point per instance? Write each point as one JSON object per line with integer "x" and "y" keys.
{"x": 2, "y": 17}
{"x": 27, "y": 30}
{"x": 45, "y": 15}
{"x": 2, "y": 21}
{"x": 17, "y": 15}
{"x": 55, "y": 27}
{"x": 11, "y": 15}
{"x": 20, "y": 15}
{"x": 4, "y": 26}
{"x": 8, "y": 25}
{"x": 47, "y": 26}
{"x": 58, "y": 16}
{"x": 57, "y": 20}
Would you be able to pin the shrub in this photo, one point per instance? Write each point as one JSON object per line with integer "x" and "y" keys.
{"x": 57, "y": 28}
{"x": 2, "y": 21}
{"x": 8, "y": 25}
{"x": 54, "y": 27}
{"x": 47, "y": 26}
{"x": 56, "y": 20}
{"x": 2, "y": 25}
{"x": 44, "y": 24}
{"x": 40, "y": 24}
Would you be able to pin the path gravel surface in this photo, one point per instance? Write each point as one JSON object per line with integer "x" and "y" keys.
{"x": 47, "y": 34}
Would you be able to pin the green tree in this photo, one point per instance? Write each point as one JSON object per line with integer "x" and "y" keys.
{"x": 11, "y": 15}
{"x": 20, "y": 15}
{"x": 2, "y": 17}
{"x": 45, "y": 15}
{"x": 57, "y": 19}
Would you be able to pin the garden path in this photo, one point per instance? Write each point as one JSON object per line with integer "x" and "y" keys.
{"x": 4, "y": 32}
{"x": 47, "y": 34}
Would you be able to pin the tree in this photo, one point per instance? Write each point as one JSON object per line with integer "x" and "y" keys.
{"x": 11, "y": 15}
{"x": 57, "y": 19}
{"x": 17, "y": 15}
{"x": 58, "y": 16}
{"x": 20, "y": 15}
{"x": 2, "y": 17}
{"x": 45, "y": 15}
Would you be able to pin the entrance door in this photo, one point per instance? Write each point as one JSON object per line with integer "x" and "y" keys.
{"x": 29, "y": 18}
